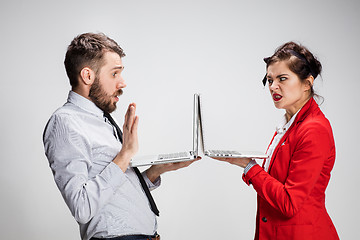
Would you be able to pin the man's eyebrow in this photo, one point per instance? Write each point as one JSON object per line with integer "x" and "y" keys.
{"x": 118, "y": 67}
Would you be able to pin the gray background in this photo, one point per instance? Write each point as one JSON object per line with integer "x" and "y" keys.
{"x": 174, "y": 49}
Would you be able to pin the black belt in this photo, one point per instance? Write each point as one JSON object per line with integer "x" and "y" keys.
{"x": 131, "y": 237}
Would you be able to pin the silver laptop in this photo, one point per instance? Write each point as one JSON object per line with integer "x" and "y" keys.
{"x": 172, "y": 157}
{"x": 221, "y": 153}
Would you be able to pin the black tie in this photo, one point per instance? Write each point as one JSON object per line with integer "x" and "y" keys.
{"x": 141, "y": 179}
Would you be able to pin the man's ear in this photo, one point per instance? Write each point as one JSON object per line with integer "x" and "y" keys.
{"x": 87, "y": 76}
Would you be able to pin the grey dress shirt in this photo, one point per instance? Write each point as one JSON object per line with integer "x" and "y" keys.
{"x": 80, "y": 146}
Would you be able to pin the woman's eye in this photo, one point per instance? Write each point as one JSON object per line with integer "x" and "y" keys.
{"x": 270, "y": 81}
{"x": 282, "y": 78}
{"x": 114, "y": 74}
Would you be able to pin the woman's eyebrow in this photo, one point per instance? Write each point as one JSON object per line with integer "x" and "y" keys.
{"x": 281, "y": 75}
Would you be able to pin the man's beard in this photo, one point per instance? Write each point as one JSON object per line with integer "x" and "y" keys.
{"x": 101, "y": 99}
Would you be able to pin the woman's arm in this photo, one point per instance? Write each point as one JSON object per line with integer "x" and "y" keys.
{"x": 312, "y": 149}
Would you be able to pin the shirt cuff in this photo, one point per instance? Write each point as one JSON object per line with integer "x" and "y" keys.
{"x": 249, "y": 166}
{"x": 113, "y": 175}
{"x": 150, "y": 184}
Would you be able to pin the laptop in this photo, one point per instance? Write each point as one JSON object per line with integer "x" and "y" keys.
{"x": 221, "y": 153}
{"x": 138, "y": 161}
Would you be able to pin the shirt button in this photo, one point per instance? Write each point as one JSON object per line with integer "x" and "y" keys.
{"x": 264, "y": 219}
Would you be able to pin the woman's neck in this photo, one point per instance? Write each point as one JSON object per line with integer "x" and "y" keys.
{"x": 291, "y": 112}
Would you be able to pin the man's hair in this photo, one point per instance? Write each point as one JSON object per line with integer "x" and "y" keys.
{"x": 87, "y": 50}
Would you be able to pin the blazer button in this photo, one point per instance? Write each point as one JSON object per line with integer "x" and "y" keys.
{"x": 264, "y": 219}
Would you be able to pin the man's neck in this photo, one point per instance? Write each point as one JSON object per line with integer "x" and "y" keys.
{"x": 81, "y": 92}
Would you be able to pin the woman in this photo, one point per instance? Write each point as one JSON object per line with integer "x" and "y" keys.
{"x": 292, "y": 182}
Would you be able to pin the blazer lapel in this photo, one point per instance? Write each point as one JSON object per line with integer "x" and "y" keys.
{"x": 304, "y": 112}
{"x": 263, "y": 165}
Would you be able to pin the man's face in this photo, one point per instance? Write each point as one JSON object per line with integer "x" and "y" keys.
{"x": 108, "y": 83}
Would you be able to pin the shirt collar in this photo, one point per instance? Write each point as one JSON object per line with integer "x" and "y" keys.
{"x": 284, "y": 126}
{"x": 84, "y": 104}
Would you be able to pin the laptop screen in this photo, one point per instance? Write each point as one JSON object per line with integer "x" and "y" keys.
{"x": 195, "y": 126}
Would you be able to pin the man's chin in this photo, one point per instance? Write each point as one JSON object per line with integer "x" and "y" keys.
{"x": 112, "y": 107}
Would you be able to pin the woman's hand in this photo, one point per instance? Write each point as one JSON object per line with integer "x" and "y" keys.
{"x": 241, "y": 162}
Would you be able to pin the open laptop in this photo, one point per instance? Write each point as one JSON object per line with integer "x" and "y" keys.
{"x": 172, "y": 157}
{"x": 221, "y": 153}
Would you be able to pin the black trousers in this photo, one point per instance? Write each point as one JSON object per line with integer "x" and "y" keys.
{"x": 130, "y": 237}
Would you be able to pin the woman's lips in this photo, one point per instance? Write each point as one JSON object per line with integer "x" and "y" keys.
{"x": 276, "y": 97}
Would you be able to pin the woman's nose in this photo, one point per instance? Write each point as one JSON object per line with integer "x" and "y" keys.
{"x": 274, "y": 85}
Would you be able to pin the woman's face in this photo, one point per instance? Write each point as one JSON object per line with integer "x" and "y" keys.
{"x": 286, "y": 89}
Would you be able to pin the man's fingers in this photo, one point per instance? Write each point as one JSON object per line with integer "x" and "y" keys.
{"x": 130, "y": 116}
{"x": 135, "y": 125}
{"x": 179, "y": 165}
{"x": 127, "y": 115}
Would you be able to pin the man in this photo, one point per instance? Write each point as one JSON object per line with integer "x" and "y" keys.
{"x": 89, "y": 155}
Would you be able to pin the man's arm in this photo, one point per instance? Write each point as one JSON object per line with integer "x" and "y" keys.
{"x": 156, "y": 170}
{"x": 69, "y": 152}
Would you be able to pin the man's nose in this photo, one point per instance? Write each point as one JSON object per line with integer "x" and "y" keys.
{"x": 121, "y": 83}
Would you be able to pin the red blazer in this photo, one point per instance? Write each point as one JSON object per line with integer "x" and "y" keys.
{"x": 291, "y": 195}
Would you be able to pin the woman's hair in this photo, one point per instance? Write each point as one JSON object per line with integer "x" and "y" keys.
{"x": 299, "y": 60}
{"x": 87, "y": 50}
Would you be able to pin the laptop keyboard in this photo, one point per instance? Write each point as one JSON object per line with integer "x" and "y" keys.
{"x": 223, "y": 152}
{"x": 172, "y": 155}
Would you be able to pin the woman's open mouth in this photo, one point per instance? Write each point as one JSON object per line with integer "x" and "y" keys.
{"x": 276, "y": 97}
